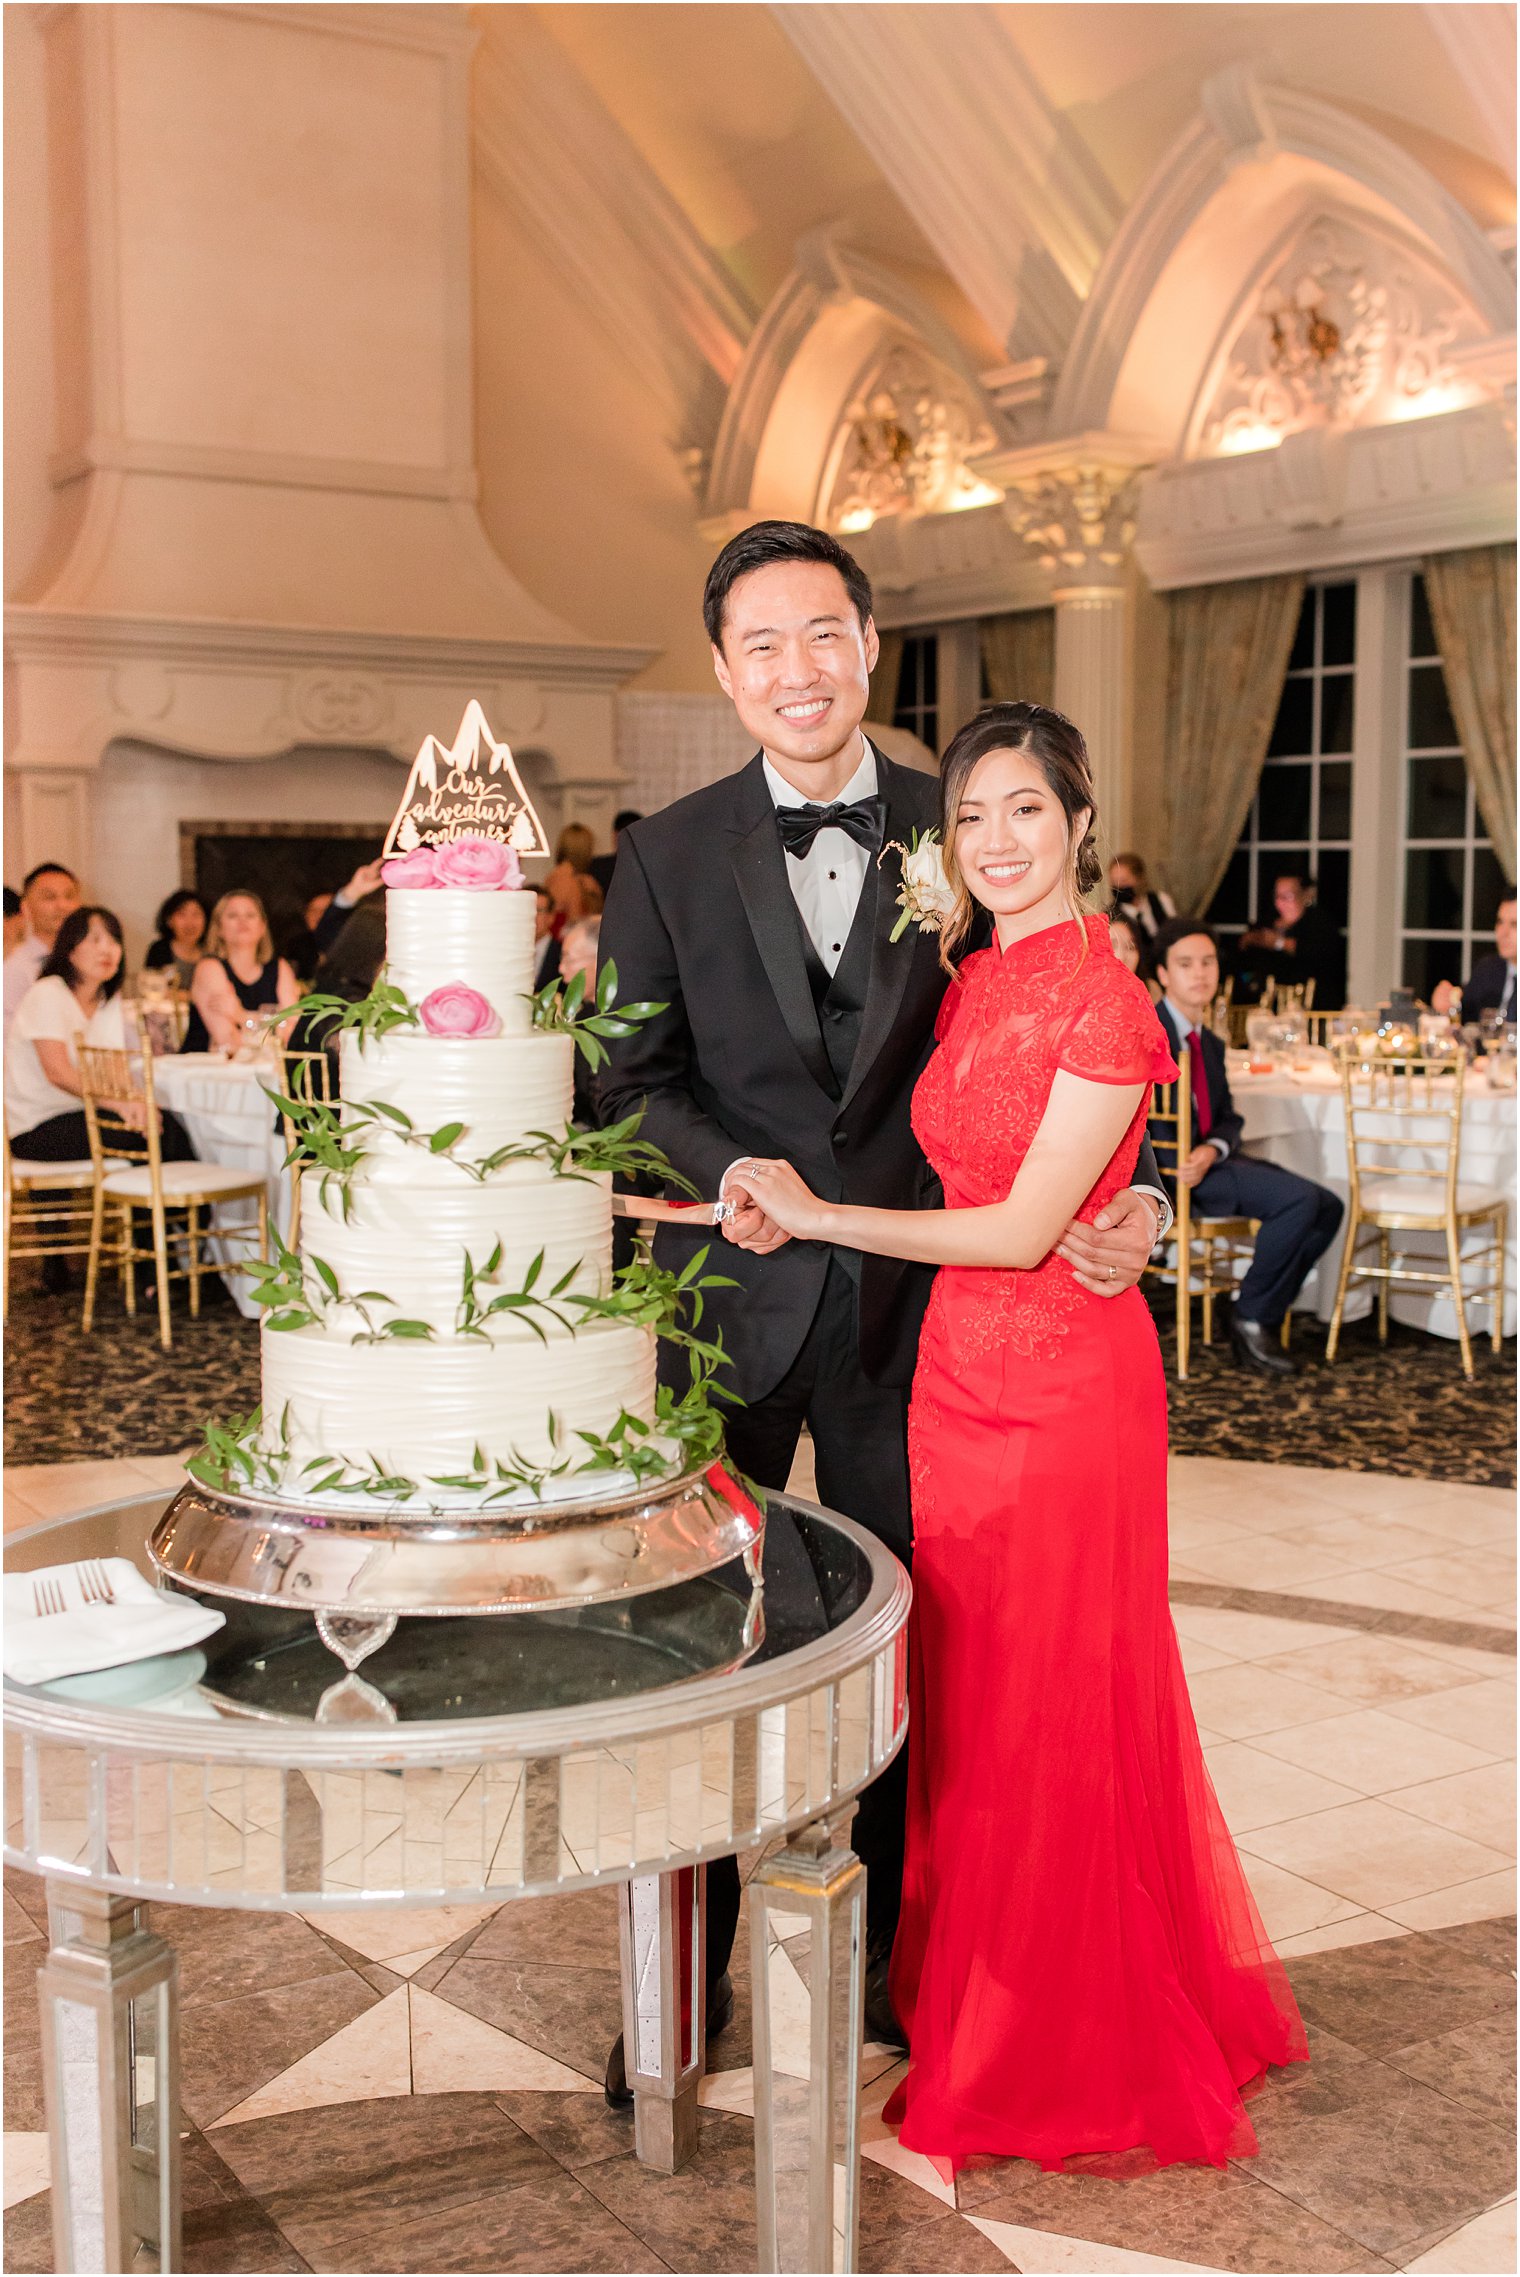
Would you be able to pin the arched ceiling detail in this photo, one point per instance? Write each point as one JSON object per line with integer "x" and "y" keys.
{"x": 1256, "y": 168}
{"x": 839, "y": 316}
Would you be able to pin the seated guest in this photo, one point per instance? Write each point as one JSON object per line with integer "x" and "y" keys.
{"x": 301, "y": 949}
{"x": 602, "y": 864}
{"x": 179, "y": 937}
{"x": 1299, "y": 943}
{"x": 1135, "y": 898}
{"x": 15, "y": 921}
{"x": 1127, "y": 942}
{"x": 75, "y": 1000}
{"x": 571, "y": 874}
{"x": 326, "y": 926}
{"x": 1491, "y": 985}
{"x": 48, "y": 895}
{"x": 546, "y": 949}
{"x": 1299, "y": 1220}
{"x": 238, "y": 977}
{"x": 349, "y": 970}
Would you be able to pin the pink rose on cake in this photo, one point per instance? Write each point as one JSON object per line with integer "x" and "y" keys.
{"x": 414, "y": 869}
{"x": 455, "y": 1010}
{"x": 476, "y": 865}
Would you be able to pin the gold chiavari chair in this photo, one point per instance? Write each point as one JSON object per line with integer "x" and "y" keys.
{"x": 131, "y": 1174}
{"x": 46, "y": 1208}
{"x": 1204, "y": 1250}
{"x": 309, "y": 1077}
{"x": 1403, "y": 1144}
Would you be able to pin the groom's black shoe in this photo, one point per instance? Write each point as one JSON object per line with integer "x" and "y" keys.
{"x": 881, "y": 2017}
{"x": 1256, "y": 1346}
{"x": 720, "y": 2014}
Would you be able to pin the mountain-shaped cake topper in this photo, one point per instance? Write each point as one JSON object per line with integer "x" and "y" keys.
{"x": 470, "y": 789}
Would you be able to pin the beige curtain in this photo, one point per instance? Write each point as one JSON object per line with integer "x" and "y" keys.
{"x": 1472, "y": 605}
{"x": 883, "y": 701}
{"x": 1227, "y": 654}
{"x": 1019, "y": 656}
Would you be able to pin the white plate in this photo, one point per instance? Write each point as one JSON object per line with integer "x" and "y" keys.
{"x": 134, "y": 1685}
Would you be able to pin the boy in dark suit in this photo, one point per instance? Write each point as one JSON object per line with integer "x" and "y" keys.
{"x": 1299, "y": 1220}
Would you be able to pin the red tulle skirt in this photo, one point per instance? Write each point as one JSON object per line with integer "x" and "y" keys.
{"x": 1080, "y": 1965}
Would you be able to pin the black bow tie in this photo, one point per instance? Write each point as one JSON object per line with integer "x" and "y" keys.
{"x": 864, "y": 820}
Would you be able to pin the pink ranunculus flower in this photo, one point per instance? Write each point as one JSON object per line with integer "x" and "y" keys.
{"x": 473, "y": 864}
{"x": 456, "y": 1010}
{"x": 415, "y": 869}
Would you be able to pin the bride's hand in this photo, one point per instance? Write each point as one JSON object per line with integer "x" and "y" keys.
{"x": 785, "y": 1198}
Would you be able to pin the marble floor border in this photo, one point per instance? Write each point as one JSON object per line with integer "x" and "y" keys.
{"x": 1332, "y": 1612}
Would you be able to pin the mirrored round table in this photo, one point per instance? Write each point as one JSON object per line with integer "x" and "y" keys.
{"x": 478, "y": 1760}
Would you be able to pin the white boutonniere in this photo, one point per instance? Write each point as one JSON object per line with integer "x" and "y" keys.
{"x": 925, "y": 895}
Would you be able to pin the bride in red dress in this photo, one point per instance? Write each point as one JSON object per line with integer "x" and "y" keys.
{"x": 1080, "y": 1967}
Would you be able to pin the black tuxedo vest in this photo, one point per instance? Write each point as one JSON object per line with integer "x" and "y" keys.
{"x": 840, "y": 997}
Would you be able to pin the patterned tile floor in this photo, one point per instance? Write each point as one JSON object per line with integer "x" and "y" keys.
{"x": 421, "y": 2091}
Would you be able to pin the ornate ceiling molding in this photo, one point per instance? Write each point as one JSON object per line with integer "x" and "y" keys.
{"x": 599, "y": 213}
{"x": 1302, "y": 153}
{"x": 835, "y": 319}
{"x": 1011, "y": 198}
{"x": 1345, "y": 325}
{"x": 935, "y": 568}
{"x": 903, "y": 444}
{"x": 1330, "y": 500}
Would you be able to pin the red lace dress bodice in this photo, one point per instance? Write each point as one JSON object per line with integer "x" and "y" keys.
{"x": 1061, "y": 999}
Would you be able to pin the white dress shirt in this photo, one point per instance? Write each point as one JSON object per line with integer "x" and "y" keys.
{"x": 827, "y": 880}
{"x": 1190, "y": 1032}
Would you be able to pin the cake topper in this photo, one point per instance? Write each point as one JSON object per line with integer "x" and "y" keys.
{"x": 472, "y": 788}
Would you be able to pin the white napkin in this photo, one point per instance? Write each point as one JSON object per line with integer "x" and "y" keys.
{"x": 85, "y": 1635}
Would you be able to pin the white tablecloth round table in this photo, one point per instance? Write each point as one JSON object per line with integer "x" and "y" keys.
{"x": 223, "y": 1107}
{"x": 1299, "y": 1122}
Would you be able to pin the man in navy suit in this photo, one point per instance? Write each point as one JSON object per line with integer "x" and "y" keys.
{"x": 1299, "y": 1220}
{"x": 1490, "y": 987}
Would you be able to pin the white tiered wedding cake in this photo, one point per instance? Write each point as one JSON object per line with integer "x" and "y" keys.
{"x": 438, "y": 1341}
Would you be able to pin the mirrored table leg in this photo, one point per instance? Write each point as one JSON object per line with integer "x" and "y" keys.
{"x": 662, "y": 1936}
{"x": 807, "y": 2096}
{"x": 108, "y": 1993}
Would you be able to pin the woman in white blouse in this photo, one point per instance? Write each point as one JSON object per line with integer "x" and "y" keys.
{"x": 75, "y": 999}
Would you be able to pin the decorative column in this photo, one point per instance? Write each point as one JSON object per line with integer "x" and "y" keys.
{"x": 1074, "y": 503}
{"x": 110, "y": 2063}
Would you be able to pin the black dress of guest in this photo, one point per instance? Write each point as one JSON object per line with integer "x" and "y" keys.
{"x": 259, "y": 995}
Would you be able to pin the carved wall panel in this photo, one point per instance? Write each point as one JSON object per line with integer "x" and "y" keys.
{"x": 1349, "y": 328}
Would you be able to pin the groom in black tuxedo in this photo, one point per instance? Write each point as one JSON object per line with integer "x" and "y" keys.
{"x": 756, "y": 912}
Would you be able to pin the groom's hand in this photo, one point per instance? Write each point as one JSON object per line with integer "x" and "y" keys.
{"x": 749, "y": 1227}
{"x": 1109, "y": 1255}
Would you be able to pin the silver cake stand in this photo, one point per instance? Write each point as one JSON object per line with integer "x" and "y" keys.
{"x": 358, "y": 1570}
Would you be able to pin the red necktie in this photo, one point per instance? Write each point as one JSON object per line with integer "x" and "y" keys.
{"x": 1203, "y": 1113}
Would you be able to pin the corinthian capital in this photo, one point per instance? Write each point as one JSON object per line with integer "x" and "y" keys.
{"x": 1074, "y": 502}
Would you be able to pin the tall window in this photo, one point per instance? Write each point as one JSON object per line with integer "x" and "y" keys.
{"x": 1300, "y": 818}
{"x": 1452, "y": 883}
{"x": 918, "y": 688}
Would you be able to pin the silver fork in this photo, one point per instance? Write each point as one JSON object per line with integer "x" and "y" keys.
{"x": 47, "y": 1597}
{"x": 95, "y": 1583}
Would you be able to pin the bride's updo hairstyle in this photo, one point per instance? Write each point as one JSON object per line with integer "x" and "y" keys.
{"x": 1060, "y": 753}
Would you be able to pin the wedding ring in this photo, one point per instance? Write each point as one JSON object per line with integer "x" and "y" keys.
{"x": 1113, "y": 1276}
